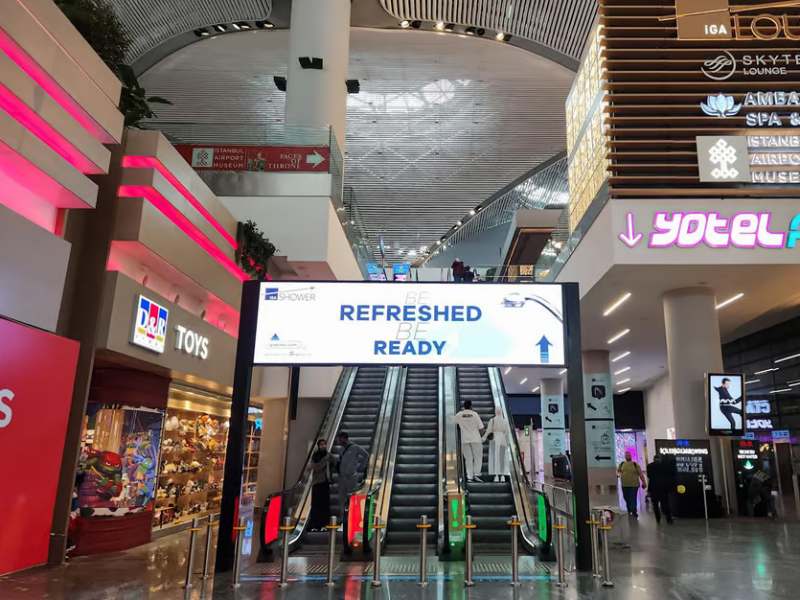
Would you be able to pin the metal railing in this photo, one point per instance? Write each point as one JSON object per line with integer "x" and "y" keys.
{"x": 452, "y": 491}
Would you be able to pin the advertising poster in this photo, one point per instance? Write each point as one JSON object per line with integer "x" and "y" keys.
{"x": 37, "y": 373}
{"x": 726, "y": 403}
{"x": 414, "y": 323}
{"x": 690, "y": 459}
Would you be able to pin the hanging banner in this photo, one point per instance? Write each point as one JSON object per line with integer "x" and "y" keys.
{"x": 355, "y": 323}
{"x": 256, "y": 158}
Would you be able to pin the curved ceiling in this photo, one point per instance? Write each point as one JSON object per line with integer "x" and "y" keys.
{"x": 151, "y": 23}
{"x": 560, "y": 26}
{"x": 442, "y": 122}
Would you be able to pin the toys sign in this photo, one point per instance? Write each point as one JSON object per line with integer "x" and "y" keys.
{"x": 37, "y": 372}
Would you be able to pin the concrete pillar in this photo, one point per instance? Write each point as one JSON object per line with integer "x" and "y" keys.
{"x": 318, "y": 98}
{"x": 553, "y": 423}
{"x": 694, "y": 348}
{"x": 598, "y": 399}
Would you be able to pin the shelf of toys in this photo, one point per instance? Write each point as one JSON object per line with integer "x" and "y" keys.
{"x": 191, "y": 466}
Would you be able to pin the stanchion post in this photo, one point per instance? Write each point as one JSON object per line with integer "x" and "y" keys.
{"x": 596, "y": 569}
{"x": 514, "y": 523}
{"x": 237, "y": 559}
{"x": 376, "y": 553}
{"x": 560, "y": 560}
{"x": 423, "y": 527}
{"x": 705, "y": 500}
{"x": 604, "y": 529}
{"x": 331, "y": 549}
{"x": 207, "y": 554}
{"x": 468, "y": 558}
{"x": 796, "y": 486}
{"x": 285, "y": 529}
{"x": 187, "y": 584}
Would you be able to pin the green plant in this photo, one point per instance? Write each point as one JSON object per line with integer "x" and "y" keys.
{"x": 98, "y": 24}
{"x": 254, "y": 250}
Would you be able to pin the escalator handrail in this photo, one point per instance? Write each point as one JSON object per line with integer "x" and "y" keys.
{"x": 452, "y": 479}
{"x": 327, "y": 429}
{"x": 519, "y": 482}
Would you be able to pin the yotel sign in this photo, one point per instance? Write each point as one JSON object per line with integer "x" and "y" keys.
{"x": 692, "y": 229}
{"x": 191, "y": 342}
{"x": 37, "y": 373}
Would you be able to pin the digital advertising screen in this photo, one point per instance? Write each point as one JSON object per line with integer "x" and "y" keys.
{"x": 343, "y": 323}
{"x": 726, "y": 404}
{"x": 689, "y": 461}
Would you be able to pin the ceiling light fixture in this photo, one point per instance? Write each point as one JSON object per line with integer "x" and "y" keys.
{"x": 619, "y": 336}
{"x": 405, "y": 24}
{"x": 793, "y": 384}
{"x": 264, "y": 25}
{"x": 751, "y": 381}
{"x": 470, "y": 31}
{"x": 440, "y": 26}
{"x": 416, "y": 24}
{"x": 785, "y": 358}
{"x": 536, "y": 389}
{"x": 438, "y": 243}
{"x": 524, "y": 379}
{"x": 562, "y": 371}
{"x": 624, "y": 381}
{"x": 450, "y": 27}
{"x": 221, "y": 28}
{"x": 500, "y": 36}
{"x": 621, "y": 356}
{"x": 458, "y": 223}
{"x": 201, "y": 33}
{"x": 781, "y": 391}
{"x": 472, "y": 213}
{"x": 621, "y": 371}
{"x": 730, "y": 300}
{"x": 507, "y": 371}
{"x": 624, "y": 391}
{"x": 236, "y": 26}
{"x": 766, "y": 371}
{"x": 624, "y": 298}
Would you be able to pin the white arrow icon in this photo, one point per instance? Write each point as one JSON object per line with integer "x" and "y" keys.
{"x": 630, "y": 238}
{"x": 315, "y": 159}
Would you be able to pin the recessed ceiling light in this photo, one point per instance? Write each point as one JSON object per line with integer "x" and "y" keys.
{"x": 781, "y": 391}
{"x": 619, "y": 302}
{"x": 621, "y": 371}
{"x": 220, "y": 28}
{"x": 236, "y": 26}
{"x": 405, "y": 24}
{"x": 536, "y": 389}
{"x": 621, "y": 356}
{"x": 524, "y": 379}
{"x": 785, "y": 358}
{"x": 562, "y": 371}
{"x": 472, "y": 213}
{"x": 450, "y": 27}
{"x": 730, "y": 300}
{"x": 500, "y": 36}
{"x": 619, "y": 336}
{"x": 440, "y": 26}
{"x": 624, "y": 391}
{"x": 766, "y": 371}
{"x": 507, "y": 371}
{"x": 470, "y": 31}
{"x": 624, "y": 381}
{"x": 458, "y": 223}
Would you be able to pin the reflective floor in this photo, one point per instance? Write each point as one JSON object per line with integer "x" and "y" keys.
{"x": 728, "y": 561}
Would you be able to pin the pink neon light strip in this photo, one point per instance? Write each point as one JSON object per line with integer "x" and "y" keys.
{"x": 142, "y": 162}
{"x": 29, "y": 119}
{"x": 25, "y": 62}
{"x": 184, "y": 224}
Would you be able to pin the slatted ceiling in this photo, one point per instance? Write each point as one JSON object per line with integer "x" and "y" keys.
{"x": 560, "y": 25}
{"x": 441, "y": 122}
{"x": 153, "y": 22}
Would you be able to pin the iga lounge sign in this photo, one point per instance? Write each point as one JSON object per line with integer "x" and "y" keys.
{"x": 719, "y": 20}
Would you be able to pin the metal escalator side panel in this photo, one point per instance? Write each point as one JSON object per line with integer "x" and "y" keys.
{"x": 327, "y": 430}
{"x": 452, "y": 488}
{"x": 519, "y": 484}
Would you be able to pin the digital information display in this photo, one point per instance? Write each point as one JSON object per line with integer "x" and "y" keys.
{"x": 343, "y": 323}
{"x": 690, "y": 459}
{"x": 726, "y": 404}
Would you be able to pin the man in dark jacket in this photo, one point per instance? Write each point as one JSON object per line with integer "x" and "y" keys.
{"x": 661, "y": 481}
{"x": 352, "y": 467}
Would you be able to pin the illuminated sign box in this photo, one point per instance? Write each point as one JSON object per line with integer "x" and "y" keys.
{"x": 356, "y": 323}
{"x": 726, "y": 404}
{"x": 149, "y": 325}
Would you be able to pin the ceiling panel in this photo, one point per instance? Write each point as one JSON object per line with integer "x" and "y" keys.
{"x": 442, "y": 121}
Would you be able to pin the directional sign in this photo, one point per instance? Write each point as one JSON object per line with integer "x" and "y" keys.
{"x": 553, "y": 444}
{"x": 256, "y": 158}
{"x": 553, "y": 411}
{"x": 600, "y": 447}
{"x": 598, "y": 396}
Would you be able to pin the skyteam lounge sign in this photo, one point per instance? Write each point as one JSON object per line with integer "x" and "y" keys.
{"x": 409, "y": 323}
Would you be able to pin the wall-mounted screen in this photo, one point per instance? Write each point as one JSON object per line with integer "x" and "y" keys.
{"x": 726, "y": 404}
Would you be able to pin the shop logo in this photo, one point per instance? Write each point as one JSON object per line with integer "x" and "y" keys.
{"x": 297, "y": 295}
{"x": 723, "y": 159}
{"x": 6, "y": 414}
{"x": 720, "y": 68}
{"x": 203, "y": 157}
{"x": 718, "y": 20}
{"x": 271, "y": 294}
{"x": 191, "y": 342}
{"x": 150, "y": 325}
{"x": 721, "y": 106}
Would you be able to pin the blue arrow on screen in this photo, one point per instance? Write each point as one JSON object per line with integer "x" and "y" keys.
{"x": 544, "y": 349}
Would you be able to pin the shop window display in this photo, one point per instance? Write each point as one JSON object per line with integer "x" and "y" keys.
{"x": 191, "y": 466}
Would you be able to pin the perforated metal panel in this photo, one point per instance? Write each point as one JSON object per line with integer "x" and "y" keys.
{"x": 441, "y": 123}
{"x": 152, "y": 22}
{"x": 560, "y": 25}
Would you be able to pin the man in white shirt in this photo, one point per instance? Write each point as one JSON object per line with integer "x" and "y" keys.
{"x": 470, "y": 424}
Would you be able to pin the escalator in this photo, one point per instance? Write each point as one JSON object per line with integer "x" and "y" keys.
{"x": 358, "y": 414}
{"x": 490, "y": 504}
{"x": 414, "y": 488}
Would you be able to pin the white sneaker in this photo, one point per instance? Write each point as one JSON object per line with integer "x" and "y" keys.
{"x": 496, "y": 479}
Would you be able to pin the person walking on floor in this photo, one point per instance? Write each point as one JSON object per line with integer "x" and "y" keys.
{"x": 320, "y": 467}
{"x": 470, "y": 424}
{"x": 352, "y": 469}
{"x": 458, "y": 270}
{"x": 660, "y": 482}
{"x": 630, "y": 475}
{"x": 498, "y": 446}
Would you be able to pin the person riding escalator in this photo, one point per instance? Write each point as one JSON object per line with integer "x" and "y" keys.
{"x": 321, "y": 466}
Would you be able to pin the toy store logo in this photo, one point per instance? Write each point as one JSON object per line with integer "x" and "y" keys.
{"x": 191, "y": 342}
{"x": 746, "y": 230}
{"x": 718, "y": 20}
{"x": 150, "y": 325}
{"x": 6, "y": 414}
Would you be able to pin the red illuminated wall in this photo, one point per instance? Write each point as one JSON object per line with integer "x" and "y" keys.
{"x": 37, "y": 372}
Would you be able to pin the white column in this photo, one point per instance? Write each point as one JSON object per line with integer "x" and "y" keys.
{"x": 553, "y": 423}
{"x": 694, "y": 348}
{"x": 317, "y": 98}
{"x": 598, "y": 399}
